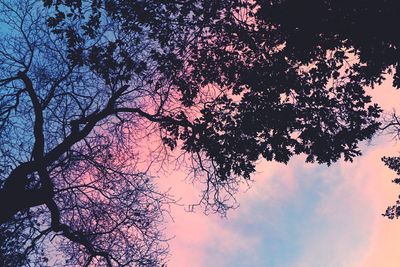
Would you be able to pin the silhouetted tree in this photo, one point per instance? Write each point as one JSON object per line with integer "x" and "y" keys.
{"x": 359, "y": 32}
{"x": 392, "y": 126}
{"x": 226, "y": 82}
{"x": 72, "y": 192}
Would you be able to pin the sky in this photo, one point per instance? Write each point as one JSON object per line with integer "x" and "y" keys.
{"x": 299, "y": 215}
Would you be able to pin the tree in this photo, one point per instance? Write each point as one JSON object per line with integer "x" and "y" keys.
{"x": 357, "y": 28}
{"x": 69, "y": 173}
{"x": 83, "y": 81}
{"x": 356, "y": 31}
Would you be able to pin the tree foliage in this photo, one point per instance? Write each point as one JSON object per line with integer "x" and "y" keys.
{"x": 359, "y": 32}
{"x": 361, "y": 27}
{"x": 224, "y": 82}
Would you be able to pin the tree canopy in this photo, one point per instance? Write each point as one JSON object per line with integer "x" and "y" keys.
{"x": 360, "y": 32}
{"x": 224, "y": 82}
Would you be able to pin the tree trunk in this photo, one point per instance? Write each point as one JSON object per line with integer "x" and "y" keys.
{"x": 14, "y": 201}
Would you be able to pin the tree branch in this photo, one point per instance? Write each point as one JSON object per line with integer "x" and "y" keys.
{"x": 38, "y": 148}
{"x": 74, "y": 236}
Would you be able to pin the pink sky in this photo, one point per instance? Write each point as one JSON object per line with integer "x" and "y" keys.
{"x": 356, "y": 235}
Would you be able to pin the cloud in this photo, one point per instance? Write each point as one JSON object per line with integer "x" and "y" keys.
{"x": 300, "y": 215}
